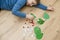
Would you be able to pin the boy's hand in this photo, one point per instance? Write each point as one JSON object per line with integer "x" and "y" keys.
{"x": 30, "y": 17}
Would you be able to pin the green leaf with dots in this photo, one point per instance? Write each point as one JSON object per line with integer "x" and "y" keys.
{"x": 38, "y": 32}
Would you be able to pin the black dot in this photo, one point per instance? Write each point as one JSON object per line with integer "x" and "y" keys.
{"x": 25, "y": 23}
{"x": 27, "y": 26}
{"x": 23, "y": 27}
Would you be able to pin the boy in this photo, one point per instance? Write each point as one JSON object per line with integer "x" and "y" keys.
{"x": 16, "y": 5}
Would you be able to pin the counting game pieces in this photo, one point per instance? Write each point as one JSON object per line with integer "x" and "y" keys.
{"x": 38, "y": 32}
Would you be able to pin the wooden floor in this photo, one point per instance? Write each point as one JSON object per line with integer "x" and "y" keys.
{"x": 11, "y": 27}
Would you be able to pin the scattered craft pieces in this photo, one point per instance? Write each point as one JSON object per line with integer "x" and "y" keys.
{"x": 26, "y": 19}
{"x": 33, "y": 15}
{"x": 27, "y": 26}
{"x": 46, "y": 16}
{"x": 32, "y": 22}
{"x": 38, "y": 32}
{"x": 25, "y": 23}
{"x": 23, "y": 27}
{"x": 40, "y": 21}
{"x": 27, "y": 30}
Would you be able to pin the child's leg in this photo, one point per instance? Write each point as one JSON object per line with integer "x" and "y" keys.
{"x": 0, "y": 8}
{"x": 41, "y": 6}
{"x": 0, "y": 5}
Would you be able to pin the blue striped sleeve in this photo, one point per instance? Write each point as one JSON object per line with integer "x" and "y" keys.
{"x": 17, "y": 7}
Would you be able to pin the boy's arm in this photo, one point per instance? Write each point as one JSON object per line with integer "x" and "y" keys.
{"x": 17, "y": 7}
{"x": 41, "y": 6}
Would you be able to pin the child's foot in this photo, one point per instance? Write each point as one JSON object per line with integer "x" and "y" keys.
{"x": 50, "y": 8}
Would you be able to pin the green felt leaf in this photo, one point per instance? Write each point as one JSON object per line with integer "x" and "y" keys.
{"x": 39, "y": 36}
{"x": 38, "y": 32}
{"x": 40, "y": 21}
{"x": 46, "y": 16}
{"x": 33, "y": 15}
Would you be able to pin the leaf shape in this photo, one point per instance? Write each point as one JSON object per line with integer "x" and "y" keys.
{"x": 46, "y": 16}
